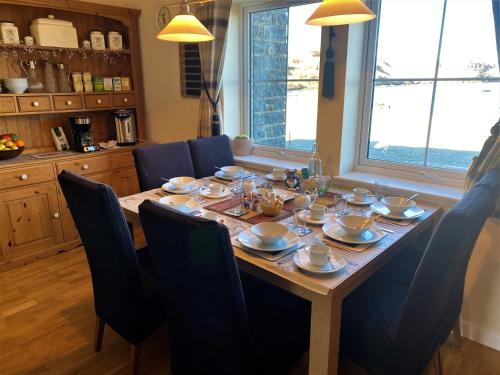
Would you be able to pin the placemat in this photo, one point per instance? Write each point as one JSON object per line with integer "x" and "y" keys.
{"x": 342, "y": 245}
{"x": 272, "y": 257}
{"x": 251, "y": 217}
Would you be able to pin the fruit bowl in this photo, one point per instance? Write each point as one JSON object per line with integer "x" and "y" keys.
{"x": 10, "y": 154}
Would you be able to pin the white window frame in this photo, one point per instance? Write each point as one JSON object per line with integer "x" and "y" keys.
{"x": 380, "y": 167}
{"x": 282, "y": 153}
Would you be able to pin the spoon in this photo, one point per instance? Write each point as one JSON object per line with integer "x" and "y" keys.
{"x": 408, "y": 199}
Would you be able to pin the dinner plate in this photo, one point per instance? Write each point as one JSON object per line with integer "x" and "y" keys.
{"x": 350, "y": 199}
{"x": 205, "y": 192}
{"x": 271, "y": 177}
{"x": 335, "y": 231}
{"x": 250, "y": 240}
{"x": 186, "y": 208}
{"x": 169, "y": 188}
{"x": 411, "y": 213}
{"x": 302, "y": 260}
{"x": 328, "y": 217}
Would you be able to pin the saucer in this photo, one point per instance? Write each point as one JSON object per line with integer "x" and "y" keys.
{"x": 186, "y": 208}
{"x": 169, "y": 188}
{"x": 326, "y": 218}
{"x": 272, "y": 177}
{"x": 350, "y": 199}
{"x": 250, "y": 240}
{"x": 205, "y": 192}
{"x": 410, "y": 213}
{"x": 225, "y": 177}
{"x": 302, "y": 260}
{"x": 335, "y": 231}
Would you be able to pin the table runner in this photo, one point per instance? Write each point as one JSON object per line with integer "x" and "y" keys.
{"x": 253, "y": 217}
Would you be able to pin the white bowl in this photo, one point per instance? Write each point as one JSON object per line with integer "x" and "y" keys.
{"x": 16, "y": 85}
{"x": 180, "y": 203}
{"x": 269, "y": 233}
{"x": 182, "y": 183}
{"x": 231, "y": 171}
{"x": 393, "y": 204}
{"x": 355, "y": 225}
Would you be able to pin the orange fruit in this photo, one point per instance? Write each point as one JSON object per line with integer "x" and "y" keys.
{"x": 20, "y": 143}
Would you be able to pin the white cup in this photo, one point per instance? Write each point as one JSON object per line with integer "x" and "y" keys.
{"x": 317, "y": 211}
{"x": 279, "y": 173}
{"x": 215, "y": 189}
{"x": 360, "y": 194}
{"x": 210, "y": 215}
{"x": 318, "y": 254}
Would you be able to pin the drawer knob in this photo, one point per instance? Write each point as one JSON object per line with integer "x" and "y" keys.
{"x": 35, "y": 104}
{"x": 85, "y": 167}
{"x": 24, "y": 177}
{"x": 69, "y": 102}
{"x": 125, "y": 100}
{"x": 56, "y": 215}
{"x": 99, "y": 101}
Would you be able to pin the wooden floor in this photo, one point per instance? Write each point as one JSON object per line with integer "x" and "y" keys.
{"x": 47, "y": 326}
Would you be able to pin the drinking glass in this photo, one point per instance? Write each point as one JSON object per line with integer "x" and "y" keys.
{"x": 380, "y": 189}
{"x": 340, "y": 206}
{"x": 300, "y": 226}
{"x": 238, "y": 191}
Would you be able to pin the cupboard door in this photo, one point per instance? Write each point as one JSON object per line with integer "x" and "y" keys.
{"x": 69, "y": 227}
{"x": 31, "y": 220}
{"x": 125, "y": 182}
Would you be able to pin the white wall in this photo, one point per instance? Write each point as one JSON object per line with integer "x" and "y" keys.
{"x": 169, "y": 116}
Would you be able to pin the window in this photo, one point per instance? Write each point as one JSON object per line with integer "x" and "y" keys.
{"x": 432, "y": 92}
{"x": 283, "y": 55}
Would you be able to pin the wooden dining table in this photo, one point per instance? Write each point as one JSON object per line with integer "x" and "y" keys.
{"x": 325, "y": 292}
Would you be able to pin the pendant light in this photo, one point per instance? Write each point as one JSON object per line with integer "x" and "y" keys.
{"x": 340, "y": 12}
{"x": 185, "y": 28}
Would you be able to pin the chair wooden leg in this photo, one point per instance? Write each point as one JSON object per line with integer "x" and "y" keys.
{"x": 135, "y": 351}
{"x": 456, "y": 334}
{"x": 99, "y": 333}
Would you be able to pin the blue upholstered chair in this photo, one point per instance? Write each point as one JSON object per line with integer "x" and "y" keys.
{"x": 166, "y": 160}
{"x": 219, "y": 322}
{"x": 126, "y": 294}
{"x": 392, "y": 326}
{"x": 207, "y": 153}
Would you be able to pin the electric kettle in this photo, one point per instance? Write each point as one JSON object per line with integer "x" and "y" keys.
{"x": 126, "y": 132}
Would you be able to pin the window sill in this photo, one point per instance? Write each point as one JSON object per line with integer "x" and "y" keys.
{"x": 431, "y": 193}
{"x": 266, "y": 164}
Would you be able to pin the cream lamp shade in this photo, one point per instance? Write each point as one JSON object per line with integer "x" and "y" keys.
{"x": 185, "y": 28}
{"x": 340, "y": 12}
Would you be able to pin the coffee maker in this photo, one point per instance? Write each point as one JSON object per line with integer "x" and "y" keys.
{"x": 82, "y": 138}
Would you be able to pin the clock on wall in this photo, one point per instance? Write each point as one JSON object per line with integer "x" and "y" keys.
{"x": 163, "y": 17}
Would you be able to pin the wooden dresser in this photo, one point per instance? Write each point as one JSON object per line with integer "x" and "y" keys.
{"x": 34, "y": 219}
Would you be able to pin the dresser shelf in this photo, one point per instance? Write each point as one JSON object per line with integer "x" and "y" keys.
{"x": 45, "y": 52}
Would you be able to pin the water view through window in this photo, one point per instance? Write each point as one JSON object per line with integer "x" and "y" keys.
{"x": 436, "y": 90}
{"x": 284, "y": 77}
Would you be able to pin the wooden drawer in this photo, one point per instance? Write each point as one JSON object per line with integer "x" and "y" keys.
{"x": 34, "y": 103}
{"x": 67, "y": 102}
{"x": 122, "y": 160}
{"x": 7, "y": 104}
{"x": 124, "y": 100}
{"x": 97, "y": 101}
{"x": 12, "y": 178}
{"x": 85, "y": 166}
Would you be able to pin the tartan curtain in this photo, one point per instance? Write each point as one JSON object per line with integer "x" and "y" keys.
{"x": 215, "y": 16}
